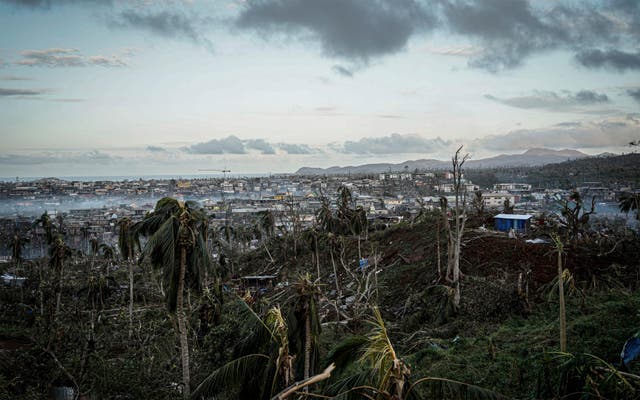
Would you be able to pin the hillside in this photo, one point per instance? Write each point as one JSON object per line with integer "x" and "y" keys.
{"x": 531, "y": 157}
{"x": 605, "y": 170}
{"x": 503, "y": 338}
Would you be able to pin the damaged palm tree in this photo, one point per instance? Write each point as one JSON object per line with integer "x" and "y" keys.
{"x": 384, "y": 375}
{"x": 454, "y": 225}
{"x": 126, "y": 243}
{"x": 265, "y": 368}
{"x": 176, "y": 245}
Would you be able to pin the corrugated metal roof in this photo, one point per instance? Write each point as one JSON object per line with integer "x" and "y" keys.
{"x": 514, "y": 216}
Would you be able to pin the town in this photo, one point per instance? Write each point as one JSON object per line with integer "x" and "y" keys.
{"x": 90, "y": 209}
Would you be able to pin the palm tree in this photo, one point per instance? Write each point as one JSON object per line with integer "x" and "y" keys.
{"x": 94, "y": 248}
{"x": 384, "y": 374}
{"x": 126, "y": 243}
{"x": 267, "y": 222}
{"x": 630, "y": 202}
{"x": 311, "y": 236}
{"x": 177, "y": 246}
{"x": 325, "y": 217}
{"x": 58, "y": 253}
{"x": 265, "y": 367}
{"x": 46, "y": 223}
{"x": 306, "y": 314}
{"x": 17, "y": 243}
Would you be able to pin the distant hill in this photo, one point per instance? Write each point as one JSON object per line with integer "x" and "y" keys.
{"x": 531, "y": 157}
{"x": 604, "y": 169}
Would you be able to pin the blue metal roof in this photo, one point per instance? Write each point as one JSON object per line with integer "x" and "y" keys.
{"x": 514, "y": 216}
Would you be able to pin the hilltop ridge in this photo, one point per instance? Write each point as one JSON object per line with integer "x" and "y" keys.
{"x": 531, "y": 157}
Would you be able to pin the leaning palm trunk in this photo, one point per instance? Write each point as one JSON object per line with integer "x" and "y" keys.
{"x": 307, "y": 346}
{"x": 315, "y": 243}
{"x": 130, "y": 298}
{"x": 184, "y": 343}
{"x": 563, "y": 315}
{"x": 58, "y": 292}
{"x": 338, "y": 291}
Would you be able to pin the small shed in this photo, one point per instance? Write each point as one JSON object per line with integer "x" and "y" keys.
{"x": 518, "y": 222}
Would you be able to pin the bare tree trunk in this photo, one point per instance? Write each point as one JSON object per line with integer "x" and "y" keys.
{"x": 338, "y": 292}
{"x": 315, "y": 239}
{"x": 40, "y": 291}
{"x": 58, "y": 292}
{"x": 130, "y": 298}
{"x": 307, "y": 346}
{"x": 184, "y": 343}
{"x": 438, "y": 250}
{"x": 563, "y": 315}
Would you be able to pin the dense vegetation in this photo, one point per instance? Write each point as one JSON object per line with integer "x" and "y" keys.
{"x": 125, "y": 323}
{"x": 607, "y": 171}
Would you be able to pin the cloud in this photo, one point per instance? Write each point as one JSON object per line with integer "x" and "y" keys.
{"x": 46, "y": 4}
{"x": 344, "y": 71}
{"x": 552, "y": 101}
{"x": 296, "y": 148}
{"x": 50, "y": 157}
{"x": 6, "y": 92}
{"x": 511, "y": 31}
{"x": 228, "y": 145}
{"x": 597, "y": 134}
{"x": 261, "y": 145}
{"x": 234, "y": 145}
{"x": 65, "y": 57}
{"x": 611, "y": 59}
{"x": 635, "y": 94}
{"x": 167, "y": 24}
{"x": 14, "y": 78}
{"x": 347, "y": 29}
{"x": 456, "y": 51}
{"x": 155, "y": 149}
{"x": 394, "y": 144}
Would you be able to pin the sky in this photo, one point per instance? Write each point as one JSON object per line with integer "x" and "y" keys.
{"x": 146, "y": 87}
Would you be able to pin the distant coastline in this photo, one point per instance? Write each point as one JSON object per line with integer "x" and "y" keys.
{"x": 121, "y": 178}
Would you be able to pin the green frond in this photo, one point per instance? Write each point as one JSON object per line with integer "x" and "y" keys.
{"x": 344, "y": 353}
{"x": 448, "y": 389}
{"x": 352, "y": 387}
{"x": 233, "y": 374}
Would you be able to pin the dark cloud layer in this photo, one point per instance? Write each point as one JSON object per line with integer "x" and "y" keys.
{"x": 395, "y": 144}
{"x": 48, "y": 3}
{"x": 63, "y": 57}
{"x": 348, "y": 29}
{"x": 164, "y": 23}
{"x": 503, "y": 33}
{"x": 341, "y": 70}
{"x": 4, "y": 92}
{"x": 611, "y": 59}
{"x": 552, "y": 101}
{"x": 635, "y": 94}
{"x": 93, "y": 157}
{"x": 508, "y": 30}
{"x": 260, "y": 145}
